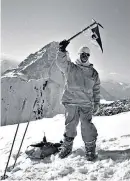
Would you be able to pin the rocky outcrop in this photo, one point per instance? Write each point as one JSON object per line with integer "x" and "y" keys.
{"x": 115, "y": 107}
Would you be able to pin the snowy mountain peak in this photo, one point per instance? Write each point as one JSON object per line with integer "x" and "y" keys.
{"x": 38, "y": 80}
{"x": 38, "y": 55}
{"x": 32, "y": 67}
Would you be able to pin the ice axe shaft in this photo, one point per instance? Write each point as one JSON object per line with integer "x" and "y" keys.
{"x": 84, "y": 30}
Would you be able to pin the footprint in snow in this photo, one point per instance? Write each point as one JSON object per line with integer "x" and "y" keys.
{"x": 66, "y": 171}
{"x": 83, "y": 170}
{"x": 112, "y": 139}
{"x": 128, "y": 135}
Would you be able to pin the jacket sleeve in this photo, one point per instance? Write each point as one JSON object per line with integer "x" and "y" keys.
{"x": 96, "y": 90}
{"x": 62, "y": 61}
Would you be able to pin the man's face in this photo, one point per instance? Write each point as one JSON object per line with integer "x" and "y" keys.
{"x": 84, "y": 57}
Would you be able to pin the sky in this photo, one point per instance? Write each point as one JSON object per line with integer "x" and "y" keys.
{"x": 28, "y": 25}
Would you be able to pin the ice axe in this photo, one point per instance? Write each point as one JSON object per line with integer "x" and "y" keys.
{"x": 95, "y": 31}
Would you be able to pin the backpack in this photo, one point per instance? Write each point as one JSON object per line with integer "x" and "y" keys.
{"x": 43, "y": 149}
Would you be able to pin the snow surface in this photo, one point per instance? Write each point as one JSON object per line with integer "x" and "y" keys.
{"x": 112, "y": 165}
{"x": 103, "y": 101}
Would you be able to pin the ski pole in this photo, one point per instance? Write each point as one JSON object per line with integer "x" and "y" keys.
{"x": 84, "y": 30}
{"x": 5, "y": 176}
{"x": 21, "y": 144}
{"x": 23, "y": 137}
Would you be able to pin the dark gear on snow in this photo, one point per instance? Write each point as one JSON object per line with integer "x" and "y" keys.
{"x": 49, "y": 149}
{"x": 62, "y": 45}
{"x": 40, "y": 152}
{"x": 45, "y": 149}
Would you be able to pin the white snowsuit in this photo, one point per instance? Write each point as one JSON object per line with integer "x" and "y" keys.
{"x": 81, "y": 92}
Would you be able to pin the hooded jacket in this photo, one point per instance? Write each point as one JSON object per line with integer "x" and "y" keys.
{"x": 82, "y": 83}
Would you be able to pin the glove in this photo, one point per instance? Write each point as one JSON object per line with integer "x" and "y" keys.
{"x": 96, "y": 108}
{"x": 62, "y": 45}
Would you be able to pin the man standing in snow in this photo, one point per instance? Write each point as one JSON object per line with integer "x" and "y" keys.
{"x": 81, "y": 99}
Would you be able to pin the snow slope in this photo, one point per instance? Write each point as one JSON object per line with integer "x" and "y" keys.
{"x": 112, "y": 144}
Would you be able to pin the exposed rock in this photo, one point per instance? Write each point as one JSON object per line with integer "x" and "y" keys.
{"x": 114, "y": 107}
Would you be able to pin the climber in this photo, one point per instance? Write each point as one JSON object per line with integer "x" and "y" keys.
{"x": 81, "y": 98}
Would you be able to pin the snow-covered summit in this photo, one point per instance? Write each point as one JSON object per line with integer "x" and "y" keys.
{"x": 38, "y": 81}
{"x": 37, "y": 65}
